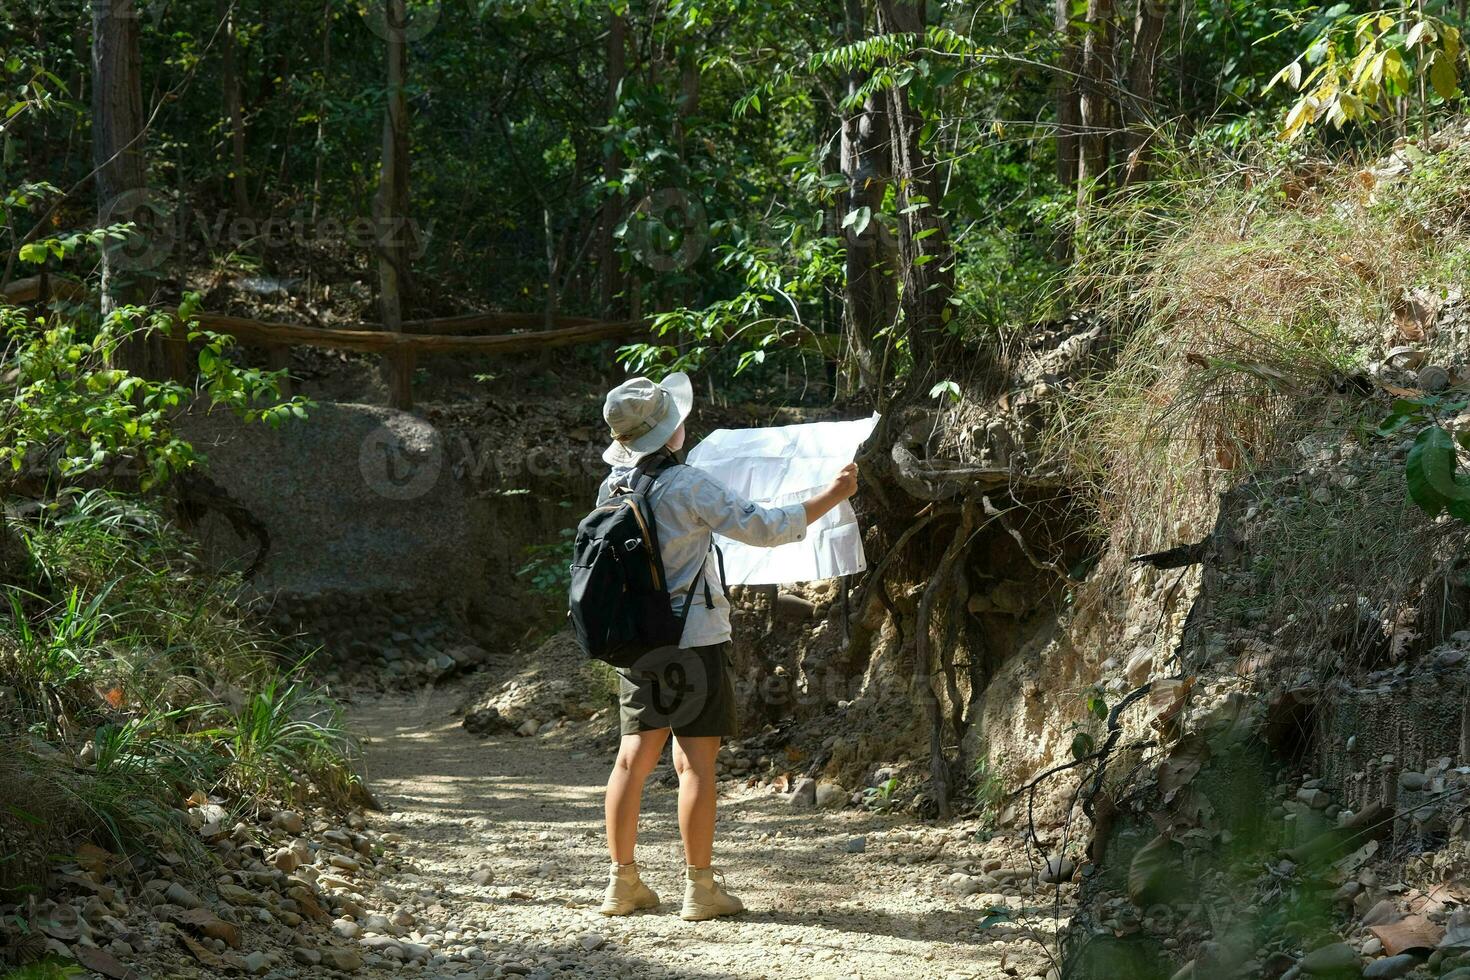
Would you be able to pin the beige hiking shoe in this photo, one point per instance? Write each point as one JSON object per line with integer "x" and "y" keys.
{"x": 626, "y": 893}
{"x": 705, "y": 896}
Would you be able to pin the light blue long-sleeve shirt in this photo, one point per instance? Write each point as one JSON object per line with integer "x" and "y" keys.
{"x": 689, "y": 506}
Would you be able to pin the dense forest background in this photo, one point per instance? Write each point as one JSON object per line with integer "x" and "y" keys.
{"x": 730, "y": 161}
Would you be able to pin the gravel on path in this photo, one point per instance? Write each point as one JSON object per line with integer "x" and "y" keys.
{"x": 502, "y": 867}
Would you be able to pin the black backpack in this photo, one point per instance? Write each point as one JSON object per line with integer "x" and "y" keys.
{"x": 619, "y": 599}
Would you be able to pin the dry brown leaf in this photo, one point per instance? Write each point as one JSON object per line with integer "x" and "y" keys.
{"x": 103, "y": 962}
{"x": 1167, "y": 698}
{"x": 208, "y": 924}
{"x": 1411, "y": 932}
{"x": 1183, "y": 764}
{"x": 1415, "y": 316}
{"x": 197, "y": 798}
{"x": 1357, "y": 858}
{"x": 1398, "y": 392}
{"x": 92, "y": 858}
{"x": 1437, "y": 899}
{"x": 206, "y": 956}
{"x": 1362, "y": 269}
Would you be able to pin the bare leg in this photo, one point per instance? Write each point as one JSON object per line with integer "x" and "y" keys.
{"x": 637, "y": 755}
{"x": 694, "y": 760}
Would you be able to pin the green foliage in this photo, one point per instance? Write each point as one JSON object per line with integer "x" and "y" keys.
{"x": 548, "y": 566}
{"x": 1364, "y": 63}
{"x": 75, "y": 409}
{"x": 1432, "y": 471}
{"x": 987, "y": 788}
{"x": 948, "y": 391}
{"x": 288, "y": 735}
{"x": 50, "y": 968}
{"x": 119, "y": 639}
{"x": 1083, "y": 745}
{"x": 882, "y": 798}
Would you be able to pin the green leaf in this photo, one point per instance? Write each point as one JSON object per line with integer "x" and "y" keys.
{"x": 1082, "y": 745}
{"x": 994, "y": 916}
{"x": 1392, "y": 424}
{"x": 1430, "y": 471}
{"x": 945, "y": 388}
{"x": 1444, "y": 77}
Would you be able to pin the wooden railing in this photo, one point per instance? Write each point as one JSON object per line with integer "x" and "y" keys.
{"x": 476, "y": 333}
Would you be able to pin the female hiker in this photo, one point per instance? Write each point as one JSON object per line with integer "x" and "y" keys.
{"x": 688, "y": 691}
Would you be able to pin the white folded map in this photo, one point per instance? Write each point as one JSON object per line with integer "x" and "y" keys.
{"x": 785, "y": 465}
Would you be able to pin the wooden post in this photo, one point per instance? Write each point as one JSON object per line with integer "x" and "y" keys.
{"x": 176, "y": 350}
{"x": 400, "y": 374}
{"x": 278, "y": 358}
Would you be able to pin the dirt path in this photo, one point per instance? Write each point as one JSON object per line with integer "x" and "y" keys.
{"x": 529, "y": 811}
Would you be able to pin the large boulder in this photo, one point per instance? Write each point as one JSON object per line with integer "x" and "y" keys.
{"x": 356, "y": 499}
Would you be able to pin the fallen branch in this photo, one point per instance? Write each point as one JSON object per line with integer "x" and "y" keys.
{"x": 381, "y": 341}
{"x": 373, "y": 339}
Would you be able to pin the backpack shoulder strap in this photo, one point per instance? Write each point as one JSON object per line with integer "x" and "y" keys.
{"x": 648, "y": 470}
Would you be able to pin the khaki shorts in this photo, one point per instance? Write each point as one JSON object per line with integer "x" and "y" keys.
{"x": 689, "y": 690}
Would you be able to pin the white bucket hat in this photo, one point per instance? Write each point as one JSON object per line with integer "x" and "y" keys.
{"x": 643, "y": 414}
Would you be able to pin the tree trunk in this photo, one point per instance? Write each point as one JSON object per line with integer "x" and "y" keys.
{"x": 553, "y": 268}
{"x": 1069, "y": 108}
{"x": 689, "y": 85}
{"x": 1096, "y": 100}
{"x": 391, "y": 206}
{"x": 612, "y": 167}
{"x": 321, "y": 112}
{"x": 1143, "y": 73}
{"x": 926, "y": 260}
{"x": 870, "y": 296}
{"x": 118, "y": 155}
{"x": 229, "y": 70}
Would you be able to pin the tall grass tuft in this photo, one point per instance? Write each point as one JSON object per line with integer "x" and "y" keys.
{"x": 134, "y": 683}
{"x": 1241, "y": 293}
